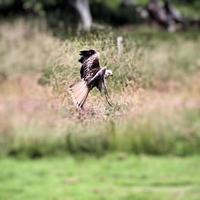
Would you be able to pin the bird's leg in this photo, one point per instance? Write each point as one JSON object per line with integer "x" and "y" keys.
{"x": 106, "y": 94}
{"x": 107, "y": 99}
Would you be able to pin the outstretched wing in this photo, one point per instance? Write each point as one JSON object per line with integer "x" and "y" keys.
{"x": 90, "y": 67}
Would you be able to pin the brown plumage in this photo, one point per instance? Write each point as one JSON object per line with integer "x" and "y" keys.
{"x": 92, "y": 75}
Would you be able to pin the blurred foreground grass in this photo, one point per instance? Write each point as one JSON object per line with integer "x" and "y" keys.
{"x": 155, "y": 92}
{"x": 156, "y": 134}
{"x": 117, "y": 176}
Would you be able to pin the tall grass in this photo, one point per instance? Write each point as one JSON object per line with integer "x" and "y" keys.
{"x": 35, "y": 121}
{"x": 145, "y": 59}
{"x": 28, "y": 47}
{"x": 153, "y": 134}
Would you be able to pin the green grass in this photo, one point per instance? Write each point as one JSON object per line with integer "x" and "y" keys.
{"x": 118, "y": 176}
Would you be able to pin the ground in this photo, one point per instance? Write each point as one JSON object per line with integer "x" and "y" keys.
{"x": 116, "y": 176}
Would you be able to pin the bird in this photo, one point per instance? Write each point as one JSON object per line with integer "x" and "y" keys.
{"x": 92, "y": 75}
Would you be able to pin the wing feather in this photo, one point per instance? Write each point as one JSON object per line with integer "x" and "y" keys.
{"x": 90, "y": 67}
{"x": 90, "y": 73}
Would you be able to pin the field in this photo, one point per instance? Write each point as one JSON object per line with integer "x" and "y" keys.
{"x": 146, "y": 146}
{"x": 155, "y": 92}
{"x": 118, "y": 176}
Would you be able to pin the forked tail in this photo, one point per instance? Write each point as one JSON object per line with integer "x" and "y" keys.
{"x": 79, "y": 92}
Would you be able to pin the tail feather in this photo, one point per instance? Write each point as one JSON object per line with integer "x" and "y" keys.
{"x": 79, "y": 92}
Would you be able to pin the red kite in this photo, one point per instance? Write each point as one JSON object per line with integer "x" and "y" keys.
{"x": 92, "y": 75}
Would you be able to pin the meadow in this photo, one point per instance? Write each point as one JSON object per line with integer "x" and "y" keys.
{"x": 116, "y": 176}
{"x": 155, "y": 92}
{"x": 146, "y": 146}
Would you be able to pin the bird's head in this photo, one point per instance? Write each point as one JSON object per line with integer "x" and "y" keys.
{"x": 108, "y": 73}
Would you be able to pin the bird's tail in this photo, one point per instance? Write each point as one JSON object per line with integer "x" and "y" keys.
{"x": 79, "y": 92}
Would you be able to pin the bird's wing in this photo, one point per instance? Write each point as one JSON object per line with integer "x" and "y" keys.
{"x": 90, "y": 67}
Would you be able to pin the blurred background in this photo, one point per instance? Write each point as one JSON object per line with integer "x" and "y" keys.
{"x": 146, "y": 146}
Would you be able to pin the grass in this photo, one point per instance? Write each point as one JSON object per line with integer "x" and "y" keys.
{"x": 117, "y": 176}
{"x": 155, "y": 92}
{"x": 160, "y": 134}
{"x": 148, "y": 55}
{"x": 100, "y": 153}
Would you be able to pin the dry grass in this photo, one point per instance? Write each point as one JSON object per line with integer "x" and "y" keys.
{"x": 34, "y": 120}
{"x": 42, "y": 118}
{"x": 29, "y": 100}
{"x": 25, "y": 47}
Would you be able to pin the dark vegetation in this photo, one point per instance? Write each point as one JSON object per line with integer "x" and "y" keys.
{"x": 61, "y": 13}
